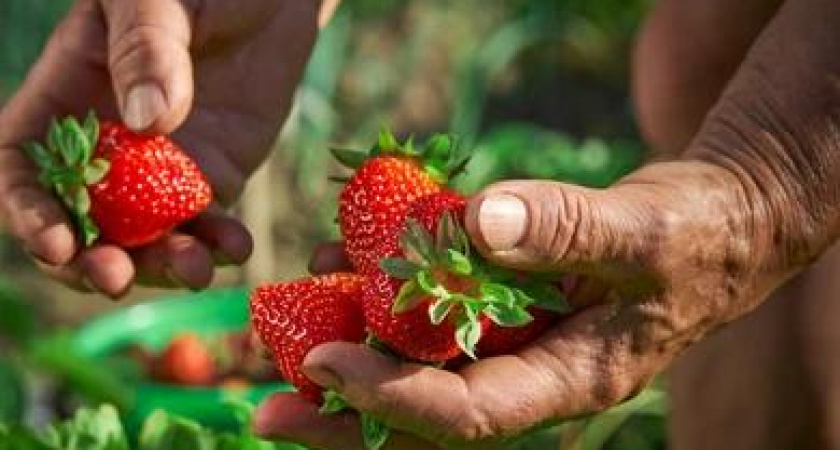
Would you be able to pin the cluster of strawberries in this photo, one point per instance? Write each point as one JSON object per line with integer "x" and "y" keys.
{"x": 418, "y": 289}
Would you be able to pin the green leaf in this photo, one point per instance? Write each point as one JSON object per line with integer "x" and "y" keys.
{"x": 439, "y": 310}
{"x": 408, "y": 148}
{"x": 77, "y": 140}
{"x": 444, "y": 235}
{"x": 439, "y": 146}
{"x": 417, "y": 240}
{"x": 467, "y": 335}
{"x": 168, "y": 432}
{"x": 458, "y": 262}
{"x": 13, "y": 398}
{"x": 40, "y": 155}
{"x": 88, "y": 230}
{"x": 55, "y": 139}
{"x": 91, "y": 130}
{"x": 81, "y": 201}
{"x": 426, "y": 282}
{"x": 545, "y": 296}
{"x": 386, "y": 141}
{"x": 497, "y": 293}
{"x": 89, "y": 429}
{"x": 352, "y": 159}
{"x": 408, "y": 298}
{"x": 508, "y": 316}
{"x": 375, "y": 432}
{"x": 96, "y": 171}
{"x": 399, "y": 268}
{"x": 86, "y": 377}
{"x": 333, "y": 402}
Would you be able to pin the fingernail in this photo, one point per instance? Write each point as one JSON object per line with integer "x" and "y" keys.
{"x": 323, "y": 377}
{"x": 143, "y": 105}
{"x": 502, "y": 220}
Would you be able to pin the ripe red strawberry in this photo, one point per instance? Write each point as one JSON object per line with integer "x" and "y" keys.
{"x": 410, "y": 333}
{"x": 499, "y": 340}
{"x": 410, "y": 330}
{"x": 387, "y": 180}
{"x": 120, "y": 187}
{"x": 291, "y": 318}
{"x": 432, "y": 299}
{"x": 187, "y": 360}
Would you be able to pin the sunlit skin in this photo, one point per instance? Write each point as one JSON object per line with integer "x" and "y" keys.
{"x": 686, "y": 245}
{"x": 219, "y": 74}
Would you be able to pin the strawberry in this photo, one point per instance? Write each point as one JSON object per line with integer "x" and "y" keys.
{"x": 432, "y": 300}
{"x": 120, "y": 187}
{"x": 387, "y": 180}
{"x": 291, "y": 318}
{"x": 187, "y": 360}
{"x": 499, "y": 340}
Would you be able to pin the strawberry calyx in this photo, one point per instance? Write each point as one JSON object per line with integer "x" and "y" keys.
{"x": 441, "y": 156}
{"x": 459, "y": 286}
{"x": 68, "y": 167}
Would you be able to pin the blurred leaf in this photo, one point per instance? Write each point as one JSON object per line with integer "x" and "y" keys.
{"x": 12, "y": 393}
{"x": 17, "y": 322}
{"x": 89, "y": 378}
{"x": 601, "y": 427}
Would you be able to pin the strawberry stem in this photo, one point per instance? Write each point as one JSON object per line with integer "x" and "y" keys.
{"x": 441, "y": 156}
{"x": 67, "y": 167}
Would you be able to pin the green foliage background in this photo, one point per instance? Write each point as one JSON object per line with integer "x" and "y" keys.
{"x": 539, "y": 88}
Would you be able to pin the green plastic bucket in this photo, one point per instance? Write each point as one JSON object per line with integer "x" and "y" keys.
{"x": 152, "y": 325}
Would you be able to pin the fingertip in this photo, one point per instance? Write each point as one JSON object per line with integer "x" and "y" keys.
{"x": 236, "y": 246}
{"x": 190, "y": 262}
{"x": 279, "y": 415}
{"x": 107, "y": 269}
{"x": 54, "y": 245}
{"x": 329, "y": 258}
{"x": 289, "y": 417}
{"x": 227, "y": 239}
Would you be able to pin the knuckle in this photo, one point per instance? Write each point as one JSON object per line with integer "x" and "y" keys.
{"x": 614, "y": 383}
{"x": 141, "y": 46}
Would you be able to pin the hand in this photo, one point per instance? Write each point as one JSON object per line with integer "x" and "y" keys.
{"x": 683, "y": 248}
{"x": 220, "y": 74}
{"x": 674, "y": 242}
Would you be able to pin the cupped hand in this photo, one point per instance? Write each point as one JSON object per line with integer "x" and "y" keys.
{"x": 680, "y": 251}
{"x": 219, "y": 74}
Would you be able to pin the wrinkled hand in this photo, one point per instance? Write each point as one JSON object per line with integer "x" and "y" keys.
{"x": 670, "y": 241}
{"x": 681, "y": 247}
{"x": 220, "y": 74}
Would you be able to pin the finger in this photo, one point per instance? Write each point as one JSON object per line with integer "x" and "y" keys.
{"x": 101, "y": 268}
{"x": 540, "y": 225}
{"x": 32, "y": 214}
{"x": 176, "y": 260}
{"x": 66, "y": 79}
{"x": 586, "y": 364}
{"x": 289, "y": 417}
{"x": 330, "y": 257}
{"x": 149, "y": 60}
{"x": 226, "y": 238}
{"x": 431, "y": 403}
{"x": 587, "y": 292}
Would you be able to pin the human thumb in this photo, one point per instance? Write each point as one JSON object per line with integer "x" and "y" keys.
{"x": 149, "y": 62}
{"x": 550, "y": 226}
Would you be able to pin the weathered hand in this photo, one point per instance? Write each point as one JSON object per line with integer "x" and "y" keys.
{"x": 220, "y": 74}
{"x": 684, "y": 247}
